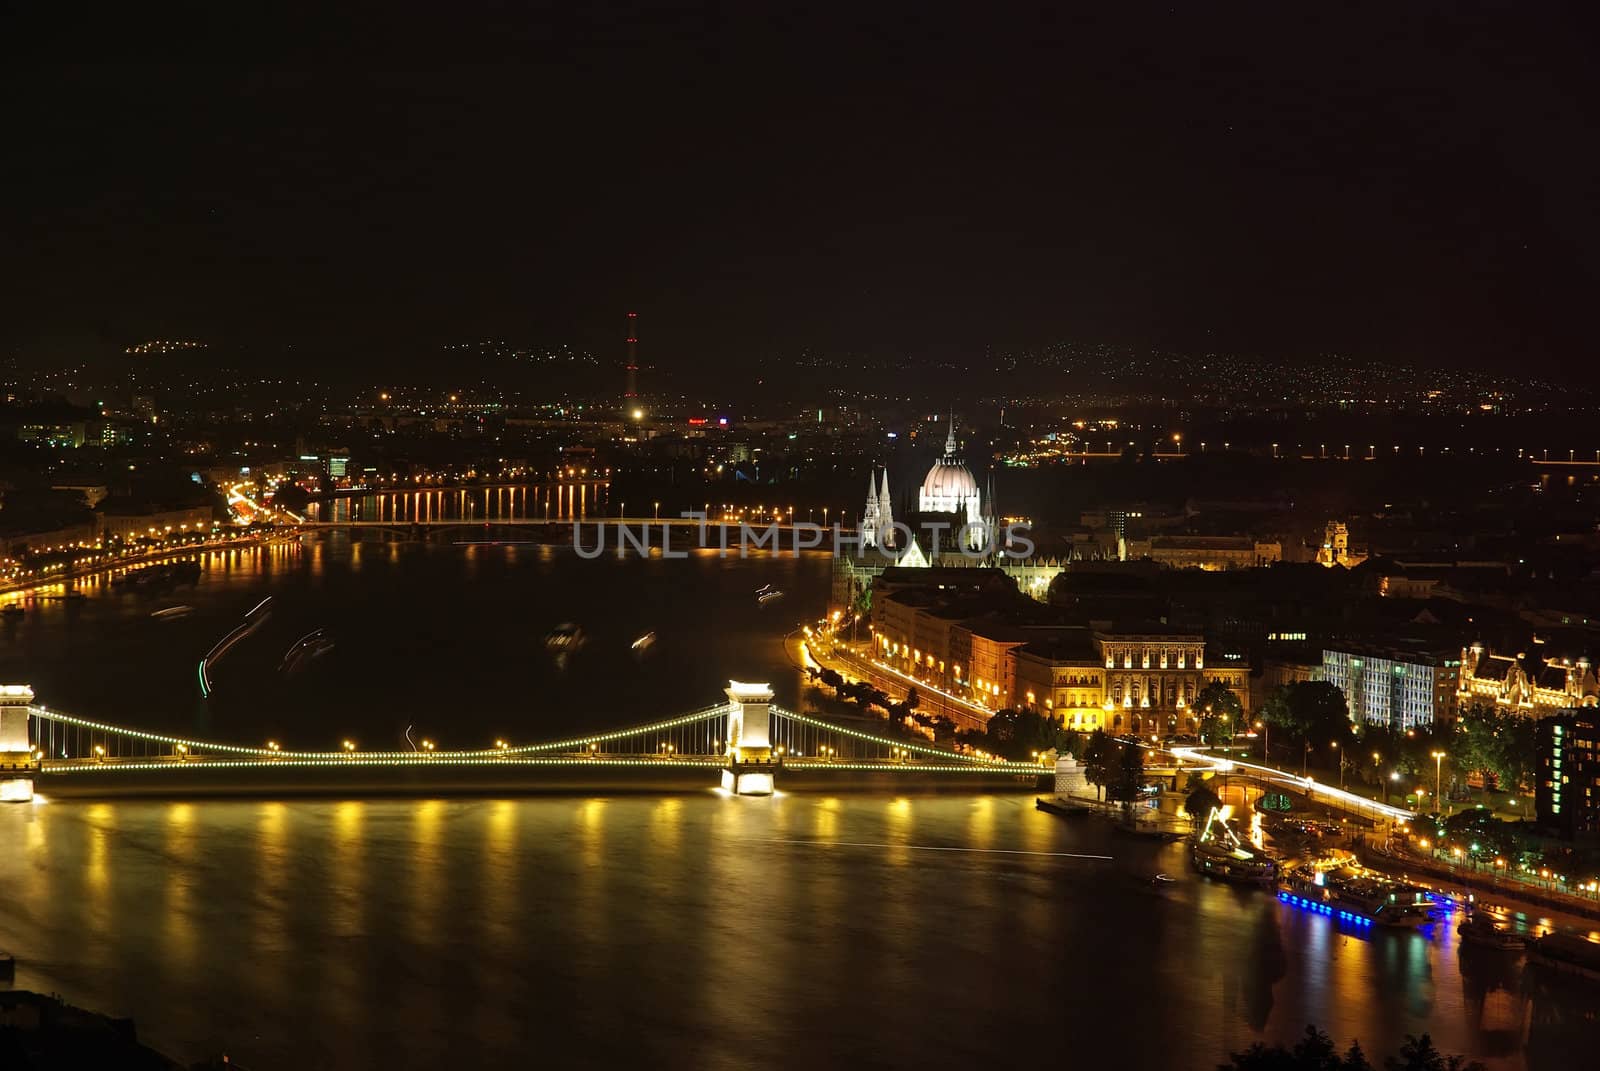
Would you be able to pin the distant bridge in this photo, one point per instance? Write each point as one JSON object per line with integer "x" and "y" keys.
{"x": 634, "y": 523}
{"x": 747, "y": 745}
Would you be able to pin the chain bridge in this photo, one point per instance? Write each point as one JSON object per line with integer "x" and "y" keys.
{"x": 747, "y": 745}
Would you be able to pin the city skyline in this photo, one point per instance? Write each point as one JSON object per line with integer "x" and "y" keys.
{"x": 704, "y": 535}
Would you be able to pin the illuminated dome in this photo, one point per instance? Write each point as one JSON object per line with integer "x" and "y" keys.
{"x": 950, "y": 488}
{"x": 949, "y": 479}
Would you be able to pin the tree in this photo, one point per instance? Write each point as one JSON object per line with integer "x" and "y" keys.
{"x": 1495, "y": 743}
{"x": 1016, "y": 734}
{"x": 1418, "y": 1054}
{"x": 1315, "y": 1052}
{"x": 1127, "y": 777}
{"x": 1098, "y": 755}
{"x": 1201, "y": 800}
{"x": 291, "y": 496}
{"x": 1218, "y": 699}
{"x": 1215, "y": 728}
{"x": 1310, "y": 712}
{"x": 1517, "y": 756}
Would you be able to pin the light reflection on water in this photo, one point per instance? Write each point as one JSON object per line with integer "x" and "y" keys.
{"x": 447, "y": 638}
{"x": 690, "y": 931}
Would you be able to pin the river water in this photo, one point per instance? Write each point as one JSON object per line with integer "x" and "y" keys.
{"x": 689, "y": 931}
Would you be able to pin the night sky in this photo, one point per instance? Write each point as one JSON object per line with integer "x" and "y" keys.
{"x": 1413, "y": 185}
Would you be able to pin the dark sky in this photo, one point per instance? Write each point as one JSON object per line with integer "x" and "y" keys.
{"x": 1402, "y": 181}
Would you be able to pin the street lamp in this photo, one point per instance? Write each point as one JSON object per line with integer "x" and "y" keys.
{"x": 1438, "y": 774}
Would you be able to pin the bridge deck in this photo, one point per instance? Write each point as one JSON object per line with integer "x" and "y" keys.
{"x": 688, "y": 752}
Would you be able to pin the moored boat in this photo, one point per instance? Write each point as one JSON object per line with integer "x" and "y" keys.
{"x": 1480, "y": 929}
{"x": 1355, "y": 895}
{"x": 1060, "y": 807}
{"x": 1568, "y": 954}
{"x": 1232, "y": 863}
{"x": 1218, "y": 852}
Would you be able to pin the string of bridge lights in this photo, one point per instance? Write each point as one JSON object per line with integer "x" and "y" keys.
{"x": 192, "y": 752}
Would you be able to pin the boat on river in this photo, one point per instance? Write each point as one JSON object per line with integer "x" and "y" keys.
{"x": 1568, "y": 954}
{"x": 1238, "y": 865}
{"x": 565, "y": 638}
{"x": 1356, "y": 895}
{"x": 1218, "y": 852}
{"x": 1060, "y": 808}
{"x": 1480, "y": 929}
{"x": 309, "y": 648}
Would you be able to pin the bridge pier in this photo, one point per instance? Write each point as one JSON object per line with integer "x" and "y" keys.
{"x": 751, "y": 767}
{"x": 17, "y": 762}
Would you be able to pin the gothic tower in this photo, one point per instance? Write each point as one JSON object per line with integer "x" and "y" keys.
{"x": 885, "y": 514}
{"x": 871, "y": 519}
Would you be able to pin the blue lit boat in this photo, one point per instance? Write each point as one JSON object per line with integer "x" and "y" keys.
{"x": 1355, "y": 896}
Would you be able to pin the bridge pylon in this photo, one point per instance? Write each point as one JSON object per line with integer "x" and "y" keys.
{"x": 18, "y": 761}
{"x": 750, "y": 766}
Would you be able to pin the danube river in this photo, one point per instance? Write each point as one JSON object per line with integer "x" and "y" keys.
{"x": 689, "y": 931}
{"x": 447, "y": 638}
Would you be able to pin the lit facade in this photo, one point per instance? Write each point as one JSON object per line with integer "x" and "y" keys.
{"x": 1335, "y": 549}
{"x": 1566, "y": 794}
{"x": 1535, "y": 686}
{"x": 1393, "y": 687}
{"x": 1119, "y": 681}
{"x": 1204, "y": 552}
{"x": 1152, "y": 678}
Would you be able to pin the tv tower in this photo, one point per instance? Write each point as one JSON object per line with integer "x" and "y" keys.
{"x": 632, "y": 393}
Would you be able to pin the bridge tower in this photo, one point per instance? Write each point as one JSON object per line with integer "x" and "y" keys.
{"x": 751, "y": 765}
{"x": 17, "y": 763}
